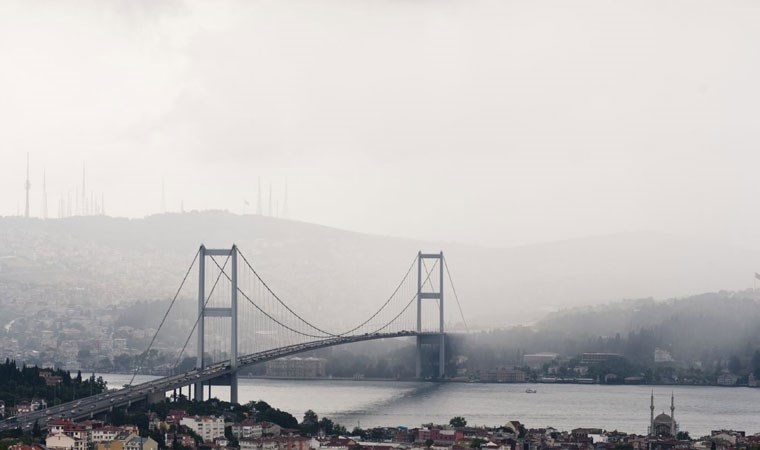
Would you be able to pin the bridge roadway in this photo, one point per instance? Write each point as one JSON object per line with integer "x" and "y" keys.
{"x": 101, "y": 403}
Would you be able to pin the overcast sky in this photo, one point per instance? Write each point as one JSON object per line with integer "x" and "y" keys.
{"x": 489, "y": 122}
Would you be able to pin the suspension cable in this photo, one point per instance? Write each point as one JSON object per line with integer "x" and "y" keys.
{"x": 327, "y": 333}
{"x": 403, "y": 280}
{"x": 408, "y": 304}
{"x": 267, "y": 314}
{"x": 166, "y": 314}
{"x": 202, "y": 309}
{"x": 266, "y": 286}
{"x": 453, "y": 289}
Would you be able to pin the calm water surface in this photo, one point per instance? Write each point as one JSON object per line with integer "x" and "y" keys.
{"x": 565, "y": 406}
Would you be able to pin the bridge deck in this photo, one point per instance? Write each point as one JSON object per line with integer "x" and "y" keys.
{"x": 124, "y": 397}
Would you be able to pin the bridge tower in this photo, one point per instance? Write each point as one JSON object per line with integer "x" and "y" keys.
{"x": 423, "y": 295}
{"x": 231, "y": 312}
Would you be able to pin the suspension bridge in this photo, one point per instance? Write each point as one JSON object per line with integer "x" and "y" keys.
{"x": 241, "y": 321}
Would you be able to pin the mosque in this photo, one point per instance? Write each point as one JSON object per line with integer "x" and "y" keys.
{"x": 663, "y": 425}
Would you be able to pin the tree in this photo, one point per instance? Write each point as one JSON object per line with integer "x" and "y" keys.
{"x": 734, "y": 364}
{"x": 458, "y": 422}
{"x": 429, "y": 443}
{"x": 756, "y": 363}
{"x": 310, "y": 423}
{"x": 330, "y": 428}
{"x": 683, "y": 436}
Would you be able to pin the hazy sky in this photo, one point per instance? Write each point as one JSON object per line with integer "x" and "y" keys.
{"x": 490, "y": 122}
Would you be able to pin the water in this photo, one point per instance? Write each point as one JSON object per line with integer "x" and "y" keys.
{"x": 563, "y": 406}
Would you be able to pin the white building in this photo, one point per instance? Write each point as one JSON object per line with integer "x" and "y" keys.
{"x": 253, "y": 429}
{"x": 63, "y": 442}
{"x": 662, "y": 355}
{"x": 207, "y": 427}
{"x": 105, "y": 433}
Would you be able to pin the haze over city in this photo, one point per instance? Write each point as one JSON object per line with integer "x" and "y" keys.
{"x": 489, "y": 123}
{"x": 379, "y": 225}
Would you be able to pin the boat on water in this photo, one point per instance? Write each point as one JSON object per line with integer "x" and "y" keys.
{"x": 530, "y": 391}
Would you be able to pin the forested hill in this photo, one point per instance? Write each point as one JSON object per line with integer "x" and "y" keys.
{"x": 705, "y": 331}
{"x": 326, "y": 272}
{"x": 701, "y": 327}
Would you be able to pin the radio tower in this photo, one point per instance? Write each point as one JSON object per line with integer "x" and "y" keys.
{"x": 84, "y": 194}
{"x": 285, "y": 209}
{"x": 270, "y": 199}
{"x": 44, "y": 195}
{"x": 259, "y": 209}
{"x": 27, "y": 186}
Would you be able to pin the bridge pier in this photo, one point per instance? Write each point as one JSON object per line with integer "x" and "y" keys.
{"x": 430, "y": 295}
{"x": 231, "y": 312}
{"x": 156, "y": 397}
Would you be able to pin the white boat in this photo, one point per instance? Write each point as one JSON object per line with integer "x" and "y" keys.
{"x": 530, "y": 391}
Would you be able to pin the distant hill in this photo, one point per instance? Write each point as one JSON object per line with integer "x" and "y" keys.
{"x": 705, "y": 326}
{"x": 324, "y": 271}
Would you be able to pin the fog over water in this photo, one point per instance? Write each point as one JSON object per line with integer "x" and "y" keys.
{"x": 487, "y": 122}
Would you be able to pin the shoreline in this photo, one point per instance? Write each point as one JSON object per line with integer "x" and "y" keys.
{"x": 406, "y": 380}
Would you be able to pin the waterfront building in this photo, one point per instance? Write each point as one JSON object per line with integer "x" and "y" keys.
{"x": 662, "y": 356}
{"x": 596, "y": 358}
{"x": 297, "y": 367}
{"x": 727, "y": 379}
{"x": 504, "y": 375}
{"x": 536, "y": 361}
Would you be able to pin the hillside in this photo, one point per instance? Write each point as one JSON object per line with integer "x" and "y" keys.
{"x": 322, "y": 270}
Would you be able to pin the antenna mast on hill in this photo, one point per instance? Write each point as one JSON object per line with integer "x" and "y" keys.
{"x": 27, "y": 186}
{"x": 163, "y": 197}
{"x": 84, "y": 194}
{"x": 44, "y": 195}
{"x": 285, "y": 209}
{"x": 259, "y": 209}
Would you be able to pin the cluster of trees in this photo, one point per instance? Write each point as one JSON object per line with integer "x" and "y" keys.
{"x": 25, "y": 383}
{"x": 312, "y": 425}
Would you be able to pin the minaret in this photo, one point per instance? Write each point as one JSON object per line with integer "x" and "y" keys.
{"x": 672, "y": 416}
{"x": 259, "y": 209}
{"x": 651, "y": 415}
{"x": 27, "y": 186}
{"x": 44, "y": 195}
